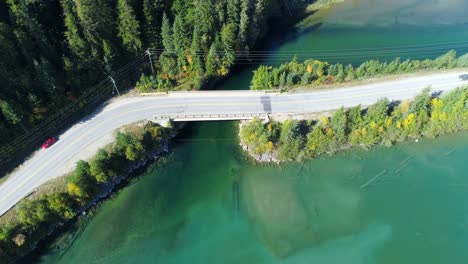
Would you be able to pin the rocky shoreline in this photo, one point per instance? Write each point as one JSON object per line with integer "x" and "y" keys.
{"x": 107, "y": 190}
{"x": 271, "y": 157}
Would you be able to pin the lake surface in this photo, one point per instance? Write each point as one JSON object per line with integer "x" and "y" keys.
{"x": 208, "y": 204}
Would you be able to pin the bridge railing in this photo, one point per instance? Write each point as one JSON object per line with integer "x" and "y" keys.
{"x": 207, "y": 117}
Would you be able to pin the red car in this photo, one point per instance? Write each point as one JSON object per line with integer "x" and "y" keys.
{"x": 49, "y": 142}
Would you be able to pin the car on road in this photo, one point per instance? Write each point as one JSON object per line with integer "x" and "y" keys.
{"x": 49, "y": 142}
{"x": 463, "y": 77}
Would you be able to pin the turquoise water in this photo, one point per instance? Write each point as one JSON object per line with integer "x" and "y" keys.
{"x": 208, "y": 204}
{"x": 404, "y": 204}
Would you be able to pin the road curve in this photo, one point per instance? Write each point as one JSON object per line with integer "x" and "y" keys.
{"x": 83, "y": 139}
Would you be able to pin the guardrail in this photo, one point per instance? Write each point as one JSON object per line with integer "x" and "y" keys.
{"x": 211, "y": 117}
{"x": 211, "y": 93}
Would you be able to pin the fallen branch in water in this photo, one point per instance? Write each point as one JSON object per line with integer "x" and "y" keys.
{"x": 373, "y": 179}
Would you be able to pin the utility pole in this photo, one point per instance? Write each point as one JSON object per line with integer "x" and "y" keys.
{"x": 114, "y": 86}
{"x": 150, "y": 60}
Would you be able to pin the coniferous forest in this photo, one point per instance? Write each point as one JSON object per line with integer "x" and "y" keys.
{"x": 51, "y": 51}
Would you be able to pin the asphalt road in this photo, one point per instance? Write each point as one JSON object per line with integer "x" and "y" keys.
{"x": 83, "y": 139}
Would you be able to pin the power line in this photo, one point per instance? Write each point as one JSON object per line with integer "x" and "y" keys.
{"x": 267, "y": 54}
{"x": 242, "y": 58}
{"x": 86, "y": 97}
{"x": 354, "y": 49}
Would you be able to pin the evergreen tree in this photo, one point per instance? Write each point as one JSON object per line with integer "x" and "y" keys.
{"x": 166, "y": 34}
{"x": 129, "y": 29}
{"x": 244, "y": 22}
{"x": 181, "y": 7}
{"x": 339, "y": 124}
{"x": 153, "y": 12}
{"x": 11, "y": 114}
{"x": 206, "y": 22}
{"x": 220, "y": 8}
{"x": 228, "y": 39}
{"x": 108, "y": 57}
{"x": 74, "y": 34}
{"x": 233, "y": 11}
{"x": 96, "y": 19}
{"x": 45, "y": 76}
{"x": 9, "y": 61}
{"x": 195, "y": 53}
{"x": 210, "y": 64}
{"x": 181, "y": 41}
{"x": 258, "y": 20}
{"x": 29, "y": 33}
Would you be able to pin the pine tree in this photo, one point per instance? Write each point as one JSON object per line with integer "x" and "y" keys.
{"x": 258, "y": 20}
{"x": 228, "y": 38}
{"x": 108, "y": 57}
{"x": 153, "y": 12}
{"x": 206, "y": 22}
{"x": 45, "y": 76}
{"x": 244, "y": 22}
{"x": 181, "y": 7}
{"x": 233, "y": 10}
{"x": 195, "y": 53}
{"x": 28, "y": 31}
{"x": 129, "y": 29}
{"x": 166, "y": 34}
{"x": 221, "y": 15}
{"x": 210, "y": 63}
{"x": 11, "y": 114}
{"x": 73, "y": 34}
{"x": 9, "y": 58}
{"x": 181, "y": 41}
{"x": 96, "y": 20}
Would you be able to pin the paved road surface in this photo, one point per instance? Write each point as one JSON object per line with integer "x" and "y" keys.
{"x": 83, "y": 139}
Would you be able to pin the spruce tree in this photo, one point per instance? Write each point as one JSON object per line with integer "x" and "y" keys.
{"x": 244, "y": 22}
{"x": 129, "y": 29}
{"x": 28, "y": 31}
{"x": 258, "y": 20}
{"x": 210, "y": 63}
{"x": 152, "y": 12}
{"x": 228, "y": 38}
{"x": 233, "y": 10}
{"x": 195, "y": 52}
{"x": 11, "y": 114}
{"x": 9, "y": 56}
{"x": 73, "y": 32}
{"x": 96, "y": 19}
{"x": 166, "y": 34}
{"x": 181, "y": 41}
{"x": 180, "y": 35}
{"x": 206, "y": 22}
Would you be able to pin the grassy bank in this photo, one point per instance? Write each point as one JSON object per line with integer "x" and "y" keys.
{"x": 383, "y": 123}
{"x": 60, "y": 200}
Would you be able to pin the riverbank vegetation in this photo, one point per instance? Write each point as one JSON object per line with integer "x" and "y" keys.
{"x": 36, "y": 218}
{"x": 318, "y": 73}
{"x": 52, "y": 51}
{"x": 383, "y": 123}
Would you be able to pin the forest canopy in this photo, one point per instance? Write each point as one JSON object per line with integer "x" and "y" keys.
{"x": 51, "y": 51}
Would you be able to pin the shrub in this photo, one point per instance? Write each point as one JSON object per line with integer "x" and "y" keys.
{"x": 355, "y": 127}
{"x": 316, "y": 72}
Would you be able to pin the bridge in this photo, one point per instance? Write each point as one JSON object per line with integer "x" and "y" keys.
{"x": 84, "y": 139}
